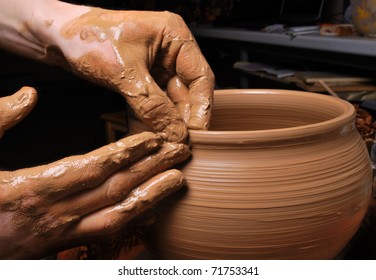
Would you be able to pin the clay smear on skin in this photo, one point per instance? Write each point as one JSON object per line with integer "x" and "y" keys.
{"x": 148, "y": 193}
{"x": 282, "y": 199}
{"x": 67, "y": 175}
{"x": 15, "y": 107}
{"x": 123, "y": 70}
{"x": 93, "y": 27}
{"x": 151, "y": 191}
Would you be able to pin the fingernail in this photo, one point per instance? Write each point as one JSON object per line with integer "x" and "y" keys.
{"x": 162, "y": 135}
{"x": 24, "y": 94}
{"x": 22, "y": 97}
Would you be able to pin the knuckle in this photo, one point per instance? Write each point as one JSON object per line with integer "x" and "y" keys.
{"x": 90, "y": 177}
{"x": 176, "y": 25}
{"x": 211, "y": 77}
{"x": 174, "y": 16}
{"x": 111, "y": 225}
{"x": 115, "y": 192}
{"x": 28, "y": 203}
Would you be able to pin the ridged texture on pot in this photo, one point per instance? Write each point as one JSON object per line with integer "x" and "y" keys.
{"x": 280, "y": 175}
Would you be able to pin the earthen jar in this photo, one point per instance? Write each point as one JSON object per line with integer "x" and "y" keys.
{"x": 279, "y": 175}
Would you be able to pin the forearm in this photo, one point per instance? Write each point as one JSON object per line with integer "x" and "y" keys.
{"x": 31, "y": 28}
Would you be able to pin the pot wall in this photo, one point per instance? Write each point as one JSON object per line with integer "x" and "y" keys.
{"x": 280, "y": 175}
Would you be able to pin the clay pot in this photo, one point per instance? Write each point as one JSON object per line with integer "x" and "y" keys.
{"x": 279, "y": 175}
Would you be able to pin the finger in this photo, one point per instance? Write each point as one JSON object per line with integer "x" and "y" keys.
{"x": 155, "y": 109}
{"x": 15, "y": 107}
{"x": 111, "y": 219}
{"x": 178, "y": 92}
{"x": 73, "y": 174}
{"x": 119, "y": 185}
{"x": 161, "y": 75}
{"x": 193, "y": 69}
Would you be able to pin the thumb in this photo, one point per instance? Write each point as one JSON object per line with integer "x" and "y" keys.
{"x": 155, "y": 109}
{"x": 15, "y": 107}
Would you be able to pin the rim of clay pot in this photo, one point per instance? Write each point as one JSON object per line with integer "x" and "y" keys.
{"x": 341, "y": 124}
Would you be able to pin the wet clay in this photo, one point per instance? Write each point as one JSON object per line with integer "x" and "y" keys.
{"x": 166, "y": 157}
{"x": 24, "y": 190}
{"x": 178, "y": 91}
{"x": 118, "y": 186}
{"x": 138, "y": 200}
{"x": 151, "y": 192}
{"x": 141, "y": 199}
{"x": 132, "y": 50}
{"x": 279, "y": 175}
{"x": 15, "y": 107}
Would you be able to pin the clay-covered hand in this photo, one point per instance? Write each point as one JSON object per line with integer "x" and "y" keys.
{"x": 82, "y": 198}
{"x": 139, "y": 53}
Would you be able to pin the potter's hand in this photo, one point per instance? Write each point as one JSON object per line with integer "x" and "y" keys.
{"x": 80, "y": 199}
{"x": 136, "y": 53}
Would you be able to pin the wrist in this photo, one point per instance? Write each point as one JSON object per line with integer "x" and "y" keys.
{"x": 46, "y": 23}
{"x": 32, "y": 27}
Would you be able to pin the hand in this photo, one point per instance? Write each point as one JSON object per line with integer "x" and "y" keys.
{"x": 82, "y": 198}
{"x": 136, "y": 53}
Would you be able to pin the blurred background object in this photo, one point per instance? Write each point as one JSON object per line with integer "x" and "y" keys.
{"x": 364, "y": 16}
